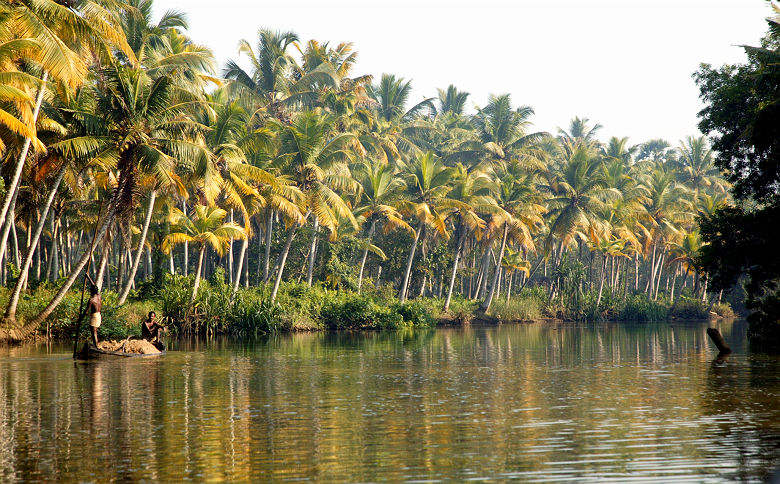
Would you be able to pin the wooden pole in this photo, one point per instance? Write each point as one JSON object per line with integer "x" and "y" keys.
{"x": 84, "y": 286}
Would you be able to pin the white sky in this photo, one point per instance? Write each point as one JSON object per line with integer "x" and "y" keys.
{"x": 625, "y": 64}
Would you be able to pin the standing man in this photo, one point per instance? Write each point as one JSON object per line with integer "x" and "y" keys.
{"x": 94, "y": 306}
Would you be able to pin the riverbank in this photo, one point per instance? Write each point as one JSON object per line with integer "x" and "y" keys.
{"x": 299, "y": 307}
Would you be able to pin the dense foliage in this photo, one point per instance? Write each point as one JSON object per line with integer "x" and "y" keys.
{"x": 742, "y": 114}
{"x": 321, "y": 192}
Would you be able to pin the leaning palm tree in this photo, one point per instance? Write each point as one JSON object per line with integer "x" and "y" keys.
{"x": 70, "y": 147}
{"x": 206, "y": 228}
{"x": 62, "y": 36}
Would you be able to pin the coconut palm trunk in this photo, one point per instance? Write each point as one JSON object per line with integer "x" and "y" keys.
{"x": 312, "y": 252}
{"x": 268, "y": 228}
{"x": 601, "y": 281}
{"x": 26, "y": 330}
{"x": 365, "y": 254}
{"x": 186, "y": 245}
{"x": 195, "y": 286}
{"x": 10, "y": 311}
{"x": 99, "y": 278}
{"x": 10, "y": 221}
{"x": 408, "y": 271}
{"x": 651, "y": 275}
{"x": 237, "y": 279}
{"x": 139, "y": 252}
{"x": 52, "y": 269}
{"x": 458, "y": 250}
{"x": 282, "y": 260}
{"x": 494, "y": 285}
{"x": 14, "y": 182}
{"x": 660, "y": 274}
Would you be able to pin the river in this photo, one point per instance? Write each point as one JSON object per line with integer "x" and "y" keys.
{"x": 532, "y": 402}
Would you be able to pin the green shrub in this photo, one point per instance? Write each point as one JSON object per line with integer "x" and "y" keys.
{"x": 253, "y": 313}
{"x": 689, "y": 309}
{"x": 521, "y": 308}
{"x": 354, "y": 311}
{"x": 638, "y": 308}
{"x": 723, "y": 310}
{"x": 461, "y": 309}
{"x": 174, "y": 298}
{"x": 414, "y": 313}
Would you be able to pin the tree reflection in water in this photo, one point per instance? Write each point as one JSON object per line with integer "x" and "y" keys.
{"x": 537, "y": 401}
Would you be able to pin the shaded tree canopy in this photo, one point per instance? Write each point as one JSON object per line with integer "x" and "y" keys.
{"x": 742, "y": 116}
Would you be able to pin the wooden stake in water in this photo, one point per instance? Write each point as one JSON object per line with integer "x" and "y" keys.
{"x": 720, "y": 343}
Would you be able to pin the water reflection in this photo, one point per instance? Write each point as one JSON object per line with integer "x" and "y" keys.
{"x": 531, "y": 402}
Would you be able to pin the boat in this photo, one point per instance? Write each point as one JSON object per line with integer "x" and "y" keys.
{"x": 91, "y": 352}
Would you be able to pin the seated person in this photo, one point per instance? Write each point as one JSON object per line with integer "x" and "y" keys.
{"x": 150, "y": 329}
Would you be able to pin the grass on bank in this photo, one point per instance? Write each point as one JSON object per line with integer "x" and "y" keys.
{"x": 302, "y": 308}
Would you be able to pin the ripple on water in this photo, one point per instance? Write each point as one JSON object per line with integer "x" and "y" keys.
{"x": 613, "y": 403}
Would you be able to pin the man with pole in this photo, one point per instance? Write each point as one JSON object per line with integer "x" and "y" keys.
{"x": 94, "y": 305}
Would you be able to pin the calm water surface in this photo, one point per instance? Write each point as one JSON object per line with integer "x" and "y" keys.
{"x": 527, "y": 402}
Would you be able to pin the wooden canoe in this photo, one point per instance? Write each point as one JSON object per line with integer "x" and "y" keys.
{"x": 91, "y": 352}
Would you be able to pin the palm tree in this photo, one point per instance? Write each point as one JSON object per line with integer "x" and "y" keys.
{"x": 617, "y": 149}
{"x": 513, "y": 262}
{"x": 452, "y": 101}
{"x": 16, "y": 103}
{"x": 275, "y": 81}
{"x": 206, "y": 228}
{"x": 140, "y": 128}
{"x": 521, "y": 212}
{"x": 147, "y": 120}
{"x": 697, "y": 168}
{"x": 669, "y": 208}
{"x": 685, "y": 253}
{"x": 379, "y": 193}
{"x": 427, "y": 184}
{"x": 609, "y": 247}
{"x": 315, "y": 158}
{"x": 76, "y": 150}
{"x": 61, "y": 36}
{"x": 474, "y": 190}
{"x": 503, "y": 131}
{"x": 579, "y": 192}
{"x": 579, "y": 130}
{"x": 656, "y": 150}
{"x": 392, "y": 95}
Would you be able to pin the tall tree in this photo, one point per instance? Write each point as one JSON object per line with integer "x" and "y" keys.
{"x": 206, "y": 228}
